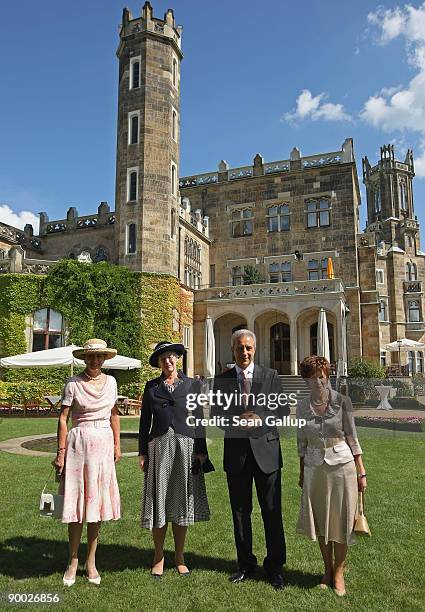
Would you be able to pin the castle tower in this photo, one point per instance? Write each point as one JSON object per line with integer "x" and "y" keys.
{"x": 147, "y": 165}
{"x": 390, "y": 208}
{"x": 397, "y": 260}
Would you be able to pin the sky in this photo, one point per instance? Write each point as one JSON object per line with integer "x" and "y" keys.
{"x": 256, "y": 78}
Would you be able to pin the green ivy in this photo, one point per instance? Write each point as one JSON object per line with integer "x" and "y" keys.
{"x": 131, "y": 311}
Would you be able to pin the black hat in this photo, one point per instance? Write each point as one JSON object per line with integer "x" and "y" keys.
{"x": 165, "y": 347}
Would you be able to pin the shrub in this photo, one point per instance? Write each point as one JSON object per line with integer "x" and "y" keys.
{"x": 359, "y": 368}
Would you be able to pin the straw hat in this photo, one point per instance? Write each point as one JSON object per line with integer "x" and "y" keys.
{"x": 165, "y": 347}
{"x": 94, "y": 345}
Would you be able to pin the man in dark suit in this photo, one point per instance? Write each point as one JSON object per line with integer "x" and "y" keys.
{"x": 252, "y": 452}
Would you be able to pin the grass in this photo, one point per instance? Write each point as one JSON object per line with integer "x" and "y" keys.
{"x": 384, "y": 572}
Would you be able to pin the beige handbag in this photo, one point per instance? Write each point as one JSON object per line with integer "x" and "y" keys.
{"x": 51, "y": 505}
{"x": 360, "y": 524}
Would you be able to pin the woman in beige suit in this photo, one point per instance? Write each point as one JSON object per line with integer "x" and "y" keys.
{"x": 331, "y": 470}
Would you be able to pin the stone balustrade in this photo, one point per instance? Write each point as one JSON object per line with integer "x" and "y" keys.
{"x": 259, "y": 167}
{"x": 265, "y": 290}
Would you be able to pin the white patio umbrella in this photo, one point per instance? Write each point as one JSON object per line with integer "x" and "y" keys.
{"x": 209, "y": 356}
{"x": 404, "y": 344}
{"x": 63, "y": 356}
{"x": 322, "y": 336}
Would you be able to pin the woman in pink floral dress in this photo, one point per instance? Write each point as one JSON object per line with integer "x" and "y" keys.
{"x": 87, "y": 454}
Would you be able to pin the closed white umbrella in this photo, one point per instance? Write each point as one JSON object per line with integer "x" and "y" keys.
{"x": 322, "y": 336}
{"x": 209, "y": 357}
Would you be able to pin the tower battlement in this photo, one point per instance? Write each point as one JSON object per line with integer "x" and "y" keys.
{"x": 388, "y": 162}
{"x": 147, "y": 23}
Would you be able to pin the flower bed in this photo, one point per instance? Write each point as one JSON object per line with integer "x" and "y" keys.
{"x": 407, "y": 423}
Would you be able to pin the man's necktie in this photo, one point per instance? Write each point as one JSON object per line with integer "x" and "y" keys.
{"x": 245, "y": 388}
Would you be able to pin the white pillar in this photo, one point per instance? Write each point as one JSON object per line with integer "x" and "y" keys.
{"x": 294, "y": 346}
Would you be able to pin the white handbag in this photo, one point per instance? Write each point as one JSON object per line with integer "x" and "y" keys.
{"x": 51, "y": 505}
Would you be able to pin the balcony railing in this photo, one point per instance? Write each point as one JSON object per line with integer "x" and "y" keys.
{"x": 270, "y": 290}
{"x": 412, "y": 286}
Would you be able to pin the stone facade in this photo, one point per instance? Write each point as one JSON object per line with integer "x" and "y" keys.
{"x": 250, "y": 246}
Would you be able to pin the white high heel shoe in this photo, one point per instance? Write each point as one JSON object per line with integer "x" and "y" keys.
{"x": 68, "y": 581}
{"x": 95, "y": 580}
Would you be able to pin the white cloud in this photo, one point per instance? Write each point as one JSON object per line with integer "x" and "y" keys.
{"x": 18, "y": 220}
{"x": 401, "y": 108}
{"x": 313, "y": 107}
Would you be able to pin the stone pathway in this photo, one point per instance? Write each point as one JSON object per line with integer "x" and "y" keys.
{"x": 14, "y": 446}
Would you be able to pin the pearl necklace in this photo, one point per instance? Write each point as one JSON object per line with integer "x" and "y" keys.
{"x": 92, "y": 377}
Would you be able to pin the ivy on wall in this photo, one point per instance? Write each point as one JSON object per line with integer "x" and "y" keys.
{"x": 131, "y": 311}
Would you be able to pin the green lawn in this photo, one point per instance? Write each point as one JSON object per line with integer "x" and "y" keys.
{"x": 384, "y": 572}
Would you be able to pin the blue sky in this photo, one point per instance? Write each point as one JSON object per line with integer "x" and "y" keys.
{"x": 256, "y": 77}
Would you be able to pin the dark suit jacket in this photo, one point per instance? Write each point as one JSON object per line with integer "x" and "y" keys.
{"x": 264, "y": 440}
{"x": 162, "y": 409}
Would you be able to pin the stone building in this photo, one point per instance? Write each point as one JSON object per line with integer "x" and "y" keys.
{"x": 253, "y": 244}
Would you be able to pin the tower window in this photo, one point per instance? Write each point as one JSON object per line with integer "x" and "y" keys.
{"x": 173, "y": 179}
{"x": 278, "y": 218}
{"x": 212, "y": 275}
{"x": 135, "y": 63}
{"x": 174, "y": 72}
{"x": 48, "y": 330}
{"x": 132, "y": 184}
{"x": 174, "y": 124}
{"x": 318, "y": 213}
{"x": 403, "y": 196}
{"x": 131, "y": 238}
{"x": 133, "y": 128}
{"x": 173, "y": 223}
{"x": 377, "y": 198}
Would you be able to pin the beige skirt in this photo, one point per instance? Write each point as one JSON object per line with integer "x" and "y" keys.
{"x": 329, "y": 502}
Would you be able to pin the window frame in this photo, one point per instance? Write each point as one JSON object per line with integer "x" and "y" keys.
{"x": 127, "y": 239}
{"x": 280, "y": 216}
{"x": 134, "y": 60}
{"x": 383, "y": 312}
{"x": 130, "y": 171}
{"x": 174, "y": 125}
{"x": 131, "y": 116}
{"x": 47, "y": 332}
{"x": 380, "y": 273}
{"x": 410, "y": 310}
{"x": 321, "y": 269}
{"x": 280, "y": 273}
{"x": 173, "y": 179}
{"x": 317, "y": 212}
{"x": 242, "y": 221}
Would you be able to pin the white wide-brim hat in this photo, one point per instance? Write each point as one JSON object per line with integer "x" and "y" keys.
{"x": 94, "y": 345}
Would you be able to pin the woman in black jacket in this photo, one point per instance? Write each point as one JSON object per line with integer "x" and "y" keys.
{"x": 171, "y": 454}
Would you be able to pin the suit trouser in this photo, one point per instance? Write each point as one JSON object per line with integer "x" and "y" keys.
{"x": 268, "y": 488}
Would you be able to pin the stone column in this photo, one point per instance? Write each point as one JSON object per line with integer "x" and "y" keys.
{"x": 294, "y": 346}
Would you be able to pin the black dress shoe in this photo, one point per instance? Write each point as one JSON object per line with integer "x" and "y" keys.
{"x": 277, "y": 581}
{"x": 242, "y": 574}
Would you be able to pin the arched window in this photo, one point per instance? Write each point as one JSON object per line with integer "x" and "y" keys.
{"x": 173, "y": 223}
{"x": 377, "y": 198}
{"x": 414, "y": 312}
{"x": 403, "y": 195}
{"x": 48, "y": 329}
{"x": 411, "y": 271}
